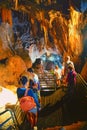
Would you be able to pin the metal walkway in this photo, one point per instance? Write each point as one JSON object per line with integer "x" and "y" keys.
{"x": 67, "y": 110}
{"x": 47, "y": 83}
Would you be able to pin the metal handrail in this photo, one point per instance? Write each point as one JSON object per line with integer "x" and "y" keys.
{"x": 18, "y": 114}
{"x": 10, "y": 118}
{"x": 83, "y": 81}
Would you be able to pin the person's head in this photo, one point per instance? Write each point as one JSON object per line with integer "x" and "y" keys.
{"x": 23, "y": 80}
{"x": 30, "y": 70}
{"x": 68, "y": 57}
{"x": 34, "y": 85}
{"x": 70, "y": 67}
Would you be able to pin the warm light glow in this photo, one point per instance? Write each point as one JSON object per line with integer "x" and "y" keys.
{"x": 48, "y": 53}
{"x": 74, "y": 41}
{"x": 16, "y": 4}
{"x": 6, "y": 96}
{"x": 53, "y": 15}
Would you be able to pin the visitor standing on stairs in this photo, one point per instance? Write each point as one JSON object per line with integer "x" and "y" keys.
{"x": 67, "y": 63}
{"x": 71, "y": 79}
{"x": 58, "y": 74}
{"x": 27, "y": 100}
{"x": 35, "y": 85}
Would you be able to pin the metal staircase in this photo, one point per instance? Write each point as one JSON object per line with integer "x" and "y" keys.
{"x": 47, "y": 83}
{"x": 65, "y": 111}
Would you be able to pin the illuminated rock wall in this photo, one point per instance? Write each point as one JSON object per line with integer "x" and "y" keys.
{"x": 61, "y": 35}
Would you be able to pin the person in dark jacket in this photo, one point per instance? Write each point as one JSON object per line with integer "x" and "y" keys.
{"x": 34, "y": 84}
{"x": 71, "y": 79}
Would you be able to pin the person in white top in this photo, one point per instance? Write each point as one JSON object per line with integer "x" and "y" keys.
{"x": 68, "y": 62}
{"x": 57, "y": 73}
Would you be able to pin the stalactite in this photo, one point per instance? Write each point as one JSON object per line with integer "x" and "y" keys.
{"x": 16, "y": 4}
{"x": 75, "y": 41}
{"x": 45, "y": 35}
{"x": 7, "y": 16}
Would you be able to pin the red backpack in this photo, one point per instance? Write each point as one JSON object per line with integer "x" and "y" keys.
{"x": 27, "y": 103}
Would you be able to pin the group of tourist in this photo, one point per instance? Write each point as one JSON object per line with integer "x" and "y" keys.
{"x": 66, "y": 75}
{"x": 29, "y": 90}
{"x": 28, "y": 94}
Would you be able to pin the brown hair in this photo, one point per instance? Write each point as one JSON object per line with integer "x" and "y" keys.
{"x": 70, "y": 67}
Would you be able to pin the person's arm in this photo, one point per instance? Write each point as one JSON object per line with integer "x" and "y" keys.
{"x": 67, "y": 79}
{"x": 74, "y": 77}
{"x": 31, "y": 93}
{"x": 20, "y": 92}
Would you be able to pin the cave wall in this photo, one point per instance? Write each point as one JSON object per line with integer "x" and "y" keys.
{"x": 61, "y": 35}
{"x": 84, "y": 71}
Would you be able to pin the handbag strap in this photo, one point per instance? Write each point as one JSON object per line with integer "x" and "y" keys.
{"x": 26, "y": 92}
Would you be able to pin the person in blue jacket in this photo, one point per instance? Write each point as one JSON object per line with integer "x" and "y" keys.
{"x": 21, "y": 91}
{"x": 24, "y": 85}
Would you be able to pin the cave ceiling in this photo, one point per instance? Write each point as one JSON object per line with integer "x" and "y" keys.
{"x": 62, "y": 5}
{"x": 55, "y": 21}
{"x": 43, "y": 26}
